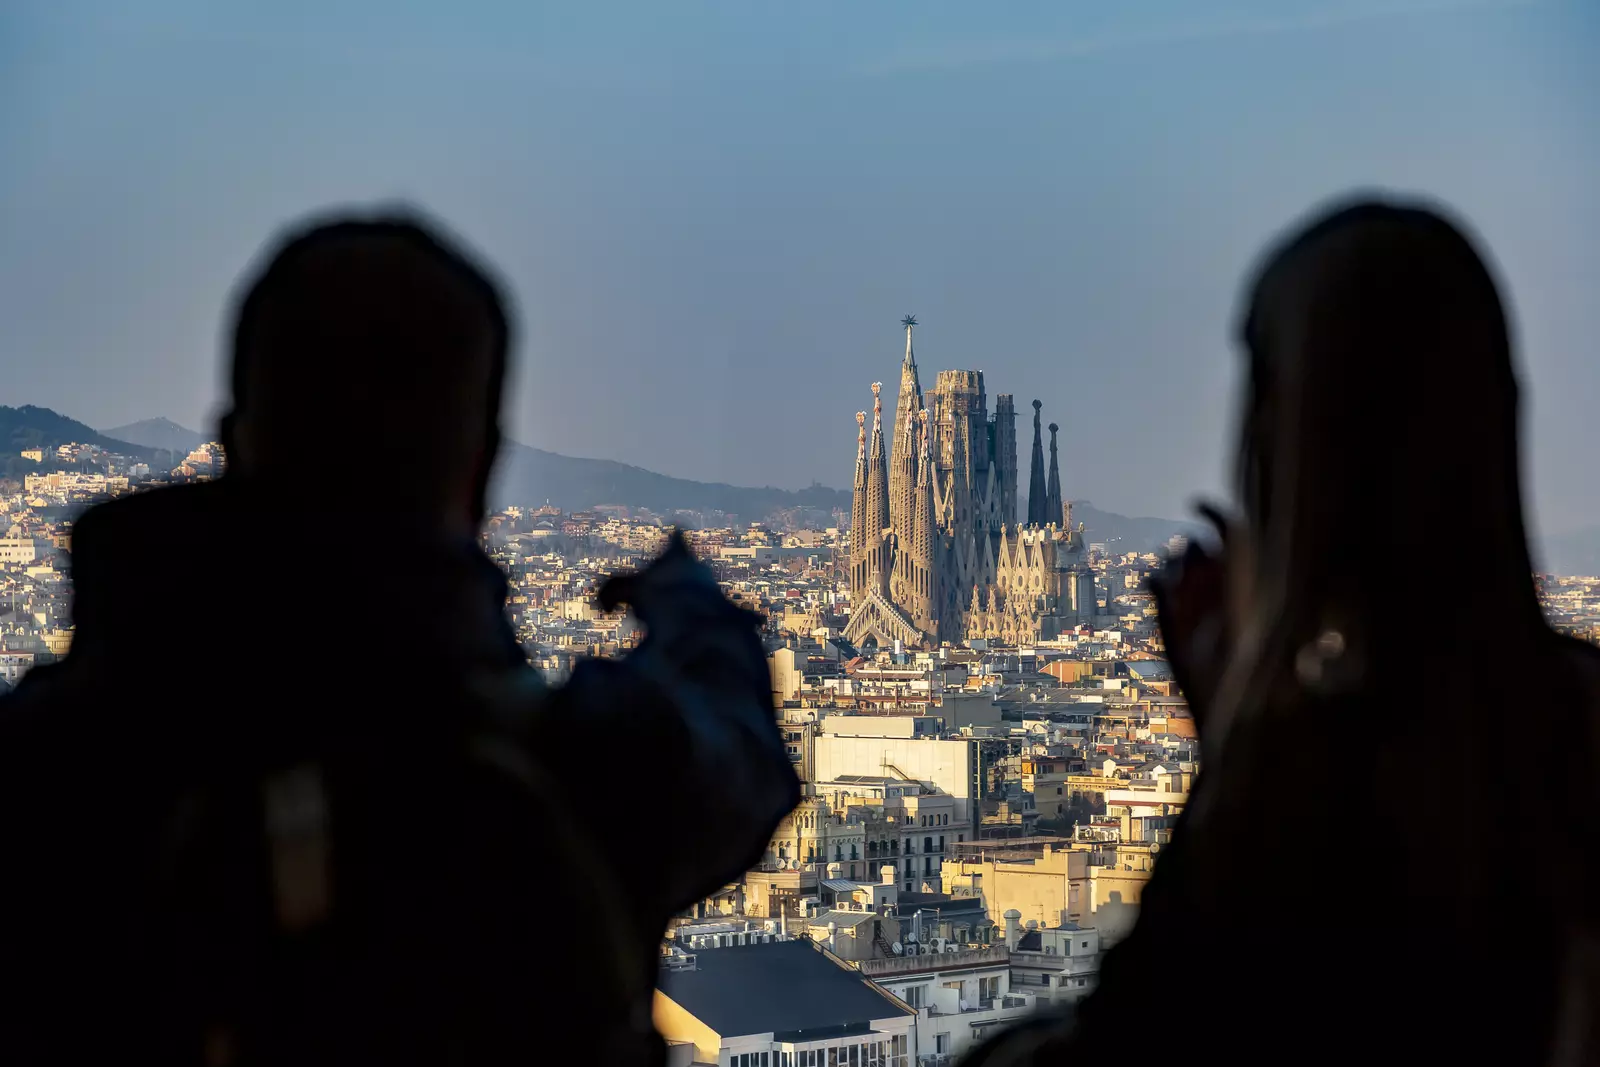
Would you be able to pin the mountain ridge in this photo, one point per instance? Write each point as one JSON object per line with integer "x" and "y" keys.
{"x": 31, "y": 426}
{"x": 529, "y": 476}
{"x": 160, "y": 432}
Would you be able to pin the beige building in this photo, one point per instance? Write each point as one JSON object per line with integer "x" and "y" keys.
{"x": 1054, "y": 882}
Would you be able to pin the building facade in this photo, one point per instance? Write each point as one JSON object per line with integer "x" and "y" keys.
{"x": 937, "y": 553}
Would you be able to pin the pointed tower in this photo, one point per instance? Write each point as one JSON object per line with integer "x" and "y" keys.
{"x": 903, "y": 478}
{"x": 924, "y": 535}
{"x": 858, "y": 504}
{"x": 877, "y": 480}
{"x": 903, "y": 454}
{"x": 1005, "y": 457}
{"x": 1052, "y": 493}
{"x": 1036, "y": 489}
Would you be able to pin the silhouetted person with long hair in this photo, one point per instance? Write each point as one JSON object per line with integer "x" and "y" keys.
{"x": 1390, "y": 855}
{"x": 295, "y": 795}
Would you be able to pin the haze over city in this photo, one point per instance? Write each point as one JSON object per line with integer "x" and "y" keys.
{"x": 714, "y": 218}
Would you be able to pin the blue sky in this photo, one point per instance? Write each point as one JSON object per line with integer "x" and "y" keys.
{"x": 714, "y": 215}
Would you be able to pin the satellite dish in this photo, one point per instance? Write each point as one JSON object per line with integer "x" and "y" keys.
{"x": 898, "y": 948}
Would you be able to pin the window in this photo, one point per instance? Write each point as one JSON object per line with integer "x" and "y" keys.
{"x": 914, "y": 995}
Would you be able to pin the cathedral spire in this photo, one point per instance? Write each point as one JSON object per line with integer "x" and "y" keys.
{"x": 923, "y": 521}
{"x": 1036, "y": 488}
{"x": 903, "y": 447}
{"x": 923, "y": 534}
{"x": 1052, "y": 495}
{"x": 858, "y": 496}
{"x": 861, "y": 450}
{"x": 877, "y": 477}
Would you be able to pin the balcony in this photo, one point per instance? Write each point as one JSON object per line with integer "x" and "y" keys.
{"x": 1088, "y": 963}
{"x": 930, "y": 962}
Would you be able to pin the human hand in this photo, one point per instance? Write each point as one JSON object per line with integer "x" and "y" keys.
{"x": 1191, "y": 594}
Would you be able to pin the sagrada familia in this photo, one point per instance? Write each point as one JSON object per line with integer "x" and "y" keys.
{"x": 936, "y": 552}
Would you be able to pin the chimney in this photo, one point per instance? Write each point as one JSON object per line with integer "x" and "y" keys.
{"x": 833, "y": 937}
{"x": 889, "y": 873}
{"x": 835, "y": 870}
{"x": 1013, "y": 919}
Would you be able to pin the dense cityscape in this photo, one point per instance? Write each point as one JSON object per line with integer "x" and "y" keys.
{"x": 993, "y": 749}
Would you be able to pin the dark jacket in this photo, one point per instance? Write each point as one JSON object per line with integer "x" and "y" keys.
{"x": 224, "y": 633}
{"x": 1391, "y": 855}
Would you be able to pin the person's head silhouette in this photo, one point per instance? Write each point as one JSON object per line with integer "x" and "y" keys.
{"x": 370, "y": 354}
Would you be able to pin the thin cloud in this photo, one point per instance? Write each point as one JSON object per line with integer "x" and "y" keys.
{"x": 979, "y": 53}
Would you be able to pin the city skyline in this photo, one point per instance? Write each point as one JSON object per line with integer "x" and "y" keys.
{"x": 1069, "y": 201}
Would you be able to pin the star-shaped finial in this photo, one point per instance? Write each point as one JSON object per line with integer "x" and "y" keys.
{"x": 909, "y": 320}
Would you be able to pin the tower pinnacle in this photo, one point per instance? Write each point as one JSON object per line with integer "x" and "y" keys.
{"x": 910, "y": 323}
{"x": 877, "y": 478}
{"x": 1036, "y": 485}
{"x": 1053, "y": 512}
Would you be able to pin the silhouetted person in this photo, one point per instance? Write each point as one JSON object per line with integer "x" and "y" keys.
{"x": 295, "y": 795}
{"x": 1391, "y": 853}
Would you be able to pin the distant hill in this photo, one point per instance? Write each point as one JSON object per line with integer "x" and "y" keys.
{"x": 35, "y": 427}
{"x": 530, "y": 476}
{"x": 1120, "y": 533}
{"x": 159, "y": 433}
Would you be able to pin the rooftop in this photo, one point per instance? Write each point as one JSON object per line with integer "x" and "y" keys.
{"x": 786, "y": 988}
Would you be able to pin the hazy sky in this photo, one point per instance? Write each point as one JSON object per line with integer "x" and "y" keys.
{"x": 714, "y": 215}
